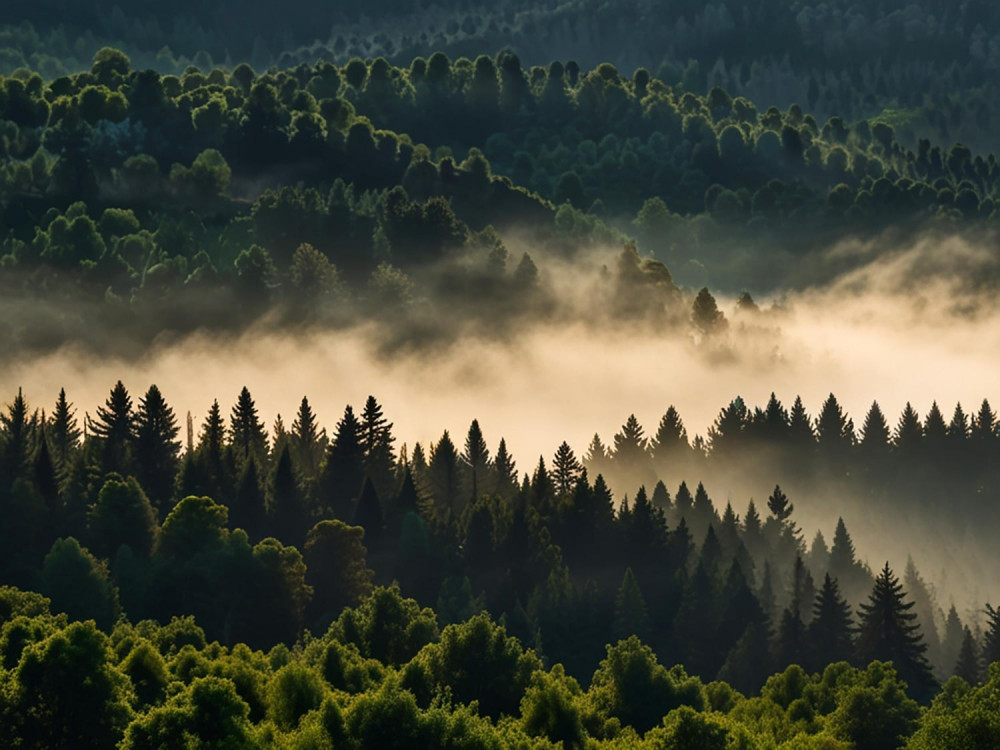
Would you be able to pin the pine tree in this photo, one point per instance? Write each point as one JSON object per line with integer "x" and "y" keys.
{"x": 924, "y": 607}
{"x": 800, "y": 428}
{"x": 779, "y": 506}
{"x": 505, "y": 471}
{"x": 376, "y": 444}
{"x": 875, "y": 435}
{"x": 542, "y": 487}
{"x": 343, "y": 470}
{"x": 47, "y": 483}
{"x": 951, "y": 641}
{"x": 958, "y": 428}
{"x": 670, "y": 448}
{"x": 984, "y": 426}
{"x": 288, "y": 508}
{"x": 64, "y": 432}
{"x": 597, "y": 460}
{"x": 991, "y": 640}
{"x": 819, "y": 554}
{"x": 249, "y": 508}
{"x": 443, "y": 476}
{"x": 476, "y": 462}
{"x": 630, "y": 452}
{"x": 368, "y": 515}
{"x": 156, "y": 448}
{"x": 935, "y": 430}
{"x": 834, "y": 431}
{"x": 408, "y": 498}
{"x": 775, "y": 422}
{"x": 887, "y": 631}
{"x": 210, "y": 456}
{"x": 307, "y": 449}
{"x": 114, "y": 430}
{"x": 15, "y": 440}
{"x": 565, "y": 470}
{"x": 968, "y": 666}
{"x": 661, "y": 497}
{"x": 727, "y": 435}
{"x": 828, "y": 637}
{"x": 790, "y": 647}
{"x": 909, "y": 434}
{"x": 247, "y": 431}
{"x": 631, "y": 616}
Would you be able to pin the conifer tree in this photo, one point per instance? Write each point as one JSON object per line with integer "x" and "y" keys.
{"x": 376, "y": 444}
{"x": 542, "y": 487}
{"x": 958, "y": 429}
{"x": 711, "y": 552}
{"x": 924, "y": 607}
{"x": 909, "y": 433}
{"x": 779, "y": 506}
{"x": 64, "y": 432}
{"x": 661, "y": 497}
{"x": 249, "y": 508}
{"x": 247, "y": 431}
{"x": 829, "y": 635}
{"x": 819, "y": 555}
{"x": 47, "y": 484}
{"x": 407, "y": 500}
{"x": 984, "y": 425}
{"x": 991, "y": 639}
{"x": 630, "y": 451}
{"x": 156, "y": 448}
{"x": 443, "y": 476}
{"x": 951, "y": 641}
{"x": 565, "y": 470}
{"x": 505, "y": 471}
{"x": 875, "y": 435}
{"x": 288, "y": 508}
{"x": 631, "y": 616}
{"x": 834, "y": 431}
{"x": 210, "y": 456}
{"x": 343, "y": 470}
{"x": 935, "y": 430}
{"x": 114, "y": 430}
{"x": 887, "y": 631}
{"x": 597, "y": 459}
{"x": 775, "y": 422}
{"x": 670, "y": 448}
{"x": 727, "y": 435}
{"x": 800, "y": 428}
{"x": 307, "y": 448}
{"x": 15, "y": 440}
{"x": 968, "y": 666}
{"x": 368, "y": 515}
{"x": 475, "y": 461}
{"x": 738, "y": 609}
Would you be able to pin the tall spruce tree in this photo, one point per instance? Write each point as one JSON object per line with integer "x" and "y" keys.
{"x": 343, "y": 467}
{"x": 565, "y": 470}
{"x": 505, "y": 471}
{"x": 669, "y": 447}
{"x": 991, "y": 638}
{"x": 249, "y": 506}
{"x": 376, "y": 444}
{"x": 888, "y": 631}
{"x": 64, "y": 432}
{"x": 289, "y": 511}
{"x": 968, "y": 666}
{"x": 829, "y": 635}
{"x": 306, "y": 443}
{"x": 15, "y": 440}
{"x": 443, "y": 476}
{"x": 368, "y": 515}
{"x": 475, "y": 462}
{"x": 114, "y": 431}
{"x": 156, "y": 448}
{"x": 247, "y": 431}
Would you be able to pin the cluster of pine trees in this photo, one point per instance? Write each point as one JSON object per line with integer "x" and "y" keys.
{"x": 124, "y": 521}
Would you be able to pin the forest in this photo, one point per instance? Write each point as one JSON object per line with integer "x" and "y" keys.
{"x": 441, "y": 596}
{"x": 509, "y": 220}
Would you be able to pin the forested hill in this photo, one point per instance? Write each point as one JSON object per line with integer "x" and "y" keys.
{"x": 375, "y": 188}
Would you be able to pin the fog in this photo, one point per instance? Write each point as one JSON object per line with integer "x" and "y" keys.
{"x": 917, "y": 324}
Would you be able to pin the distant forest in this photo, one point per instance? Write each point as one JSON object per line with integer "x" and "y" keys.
{"x": 331, "y": 191}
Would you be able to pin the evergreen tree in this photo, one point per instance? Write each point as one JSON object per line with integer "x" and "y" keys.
{"x": 630, "y": 451}
{"x": 909, "y": 433}
{"x": 476, "y": 462}
{"x": 288, "y": 507}
{"x": 376, "y": 444}
{"x": 306, "y": 444}
{"x": 47, "y": 484}
{"x": 565, "y": 470}
{"x": 875, "y": 435}
{"x": 505, "y": 471}
{"x": 368, "y": 514}
{"x": 727, "y": 435}
{"x": 247, "y": 431}
{"x": 924, "y": 607}
{"x": 343, "y": 467}
{"x": 661, "y": 497}
{"x": 670, "y": 448}
{"x": 800, "y": 428}
{"x": 951, "y": 641}
{"x": 631, "y": 617}
{"x": 887, "y": 632}
{"x": 249, "y": 508}
{"x": 597, "y": 460}
{"x": 775, "y": 422}
{"x": 156, "y": 448}
{"x": 408, "y": 499}
{"x": 828, "y": 637}
{"x": 935, "y": 431}
{"x": 991, "y": 640}
{"x": 443, "y": 476}
{"x": 210, "y": 456}
{"x": 834, "y": 431}
{"x": 968, "y": 666}
{"x": 984, "y": 425}
{"x": 779, "y": 506}
{"x": 64, "y": 432}
{"x": 15, "y": 441}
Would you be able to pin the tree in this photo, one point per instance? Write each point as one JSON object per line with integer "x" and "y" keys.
{"x": 779, "y": 506}
{"x": 887, "y": 632}
{"x": 376, "y": 444}
{"x": 505, "y": 470}
{"x": 337, "y": 570}
{"x": 961, "y": 717}
{"x": 706, "y": 316}
{"x": 195, "y": 525}
{"x": 443, "y": 477}
{"x": 991, "y": 640}
{"x": 343, "y": 467}
{"x": 67, "y": 692}
{"x": 669, "y": 447}
{"x": 247, "y": 431}
{"x": 249, "y": 507}
{"x": 122, "y": 515}
{"x": 288, "y": 508}
{"x": 968, "y": 666}
{"x": 565, "y": 470}
{"x": 476, "y": 462}
{"x": 875, "y": 435}
{"x": 306, "y": 445}
{"x": 368, "y": 513}
{"x": 79, "y": 585}
{"x": 15, "y": 440}
{"x": 630, "y": 451}
{"x": 64, "y": 431}
{"x": 114, "y": 429}
{"x": 156, "y": 447}
{"x": 829, "y": 634}
{"x": 631, "y": 617}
